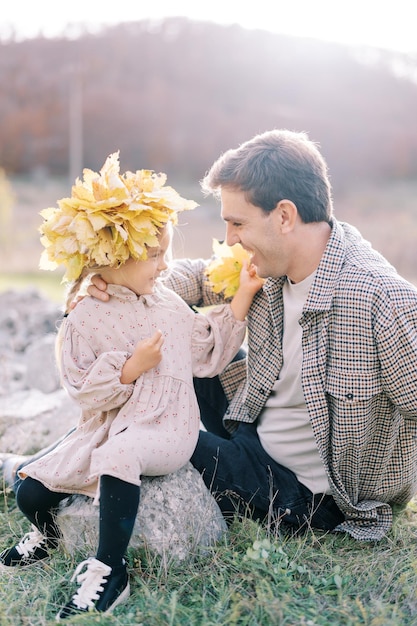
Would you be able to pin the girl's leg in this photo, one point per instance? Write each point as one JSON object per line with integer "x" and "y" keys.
{"x": 119, "y": 502}
{"x": 39, "y": 505}
{"x": 104, "y": 582}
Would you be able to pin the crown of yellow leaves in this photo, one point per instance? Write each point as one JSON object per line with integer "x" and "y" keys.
{"x": 223, "y": 272}
{"x": 109, "y": 218}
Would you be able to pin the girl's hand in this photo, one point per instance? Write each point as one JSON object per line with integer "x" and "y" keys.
{"x": 146, "y": 355}
{"x": 249, "y": 279}
{"x": 148, "y": 352}
{"x": 249, "y": 285}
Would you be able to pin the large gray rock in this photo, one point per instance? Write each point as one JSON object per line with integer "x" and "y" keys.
{"x": 40, "y": 364}
{"x": 178, "y": 517}
{"x": 25, "y": 316}
{"x": 30, "y": 420}
{"x": 28, "y": 325}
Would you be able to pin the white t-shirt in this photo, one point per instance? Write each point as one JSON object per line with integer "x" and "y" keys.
{"x": 284, "y": 427}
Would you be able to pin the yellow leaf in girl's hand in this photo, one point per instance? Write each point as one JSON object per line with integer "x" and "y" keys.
{"x": 223, "y": 272}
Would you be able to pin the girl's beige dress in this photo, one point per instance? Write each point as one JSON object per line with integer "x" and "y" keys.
{"x": 149, "y": 427}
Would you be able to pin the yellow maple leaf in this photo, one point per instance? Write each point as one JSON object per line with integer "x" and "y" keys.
{"x": 223, "y": 272}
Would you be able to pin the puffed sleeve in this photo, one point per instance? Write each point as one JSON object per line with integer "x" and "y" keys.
{"x": 217, "y": 337}
{"x": 93, "y": 381}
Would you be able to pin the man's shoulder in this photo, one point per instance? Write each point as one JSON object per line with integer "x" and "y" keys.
{"x": 365, "y": 264}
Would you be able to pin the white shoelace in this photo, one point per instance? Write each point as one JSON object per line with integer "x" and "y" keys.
{"x": 28, "y": 544}
{"x": 91, "y": 582}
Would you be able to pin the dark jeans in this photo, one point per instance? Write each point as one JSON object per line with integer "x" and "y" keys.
{"x": 245, "y": 479}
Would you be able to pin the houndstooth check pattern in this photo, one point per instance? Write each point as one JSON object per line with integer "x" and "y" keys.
{"x": 359, "y": 373}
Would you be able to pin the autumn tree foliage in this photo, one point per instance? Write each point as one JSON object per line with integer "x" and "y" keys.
{"x": 173, "y": 95}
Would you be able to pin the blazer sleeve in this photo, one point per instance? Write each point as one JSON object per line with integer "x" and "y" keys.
{"x": 188, "y": 279}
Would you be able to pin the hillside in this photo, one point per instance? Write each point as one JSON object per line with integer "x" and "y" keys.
{"x": 172, "y": 95}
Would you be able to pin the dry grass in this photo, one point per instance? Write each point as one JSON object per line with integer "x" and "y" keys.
{"x": 251, "y": 578}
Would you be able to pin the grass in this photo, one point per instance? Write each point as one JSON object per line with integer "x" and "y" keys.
{"x": 251, "y": 578}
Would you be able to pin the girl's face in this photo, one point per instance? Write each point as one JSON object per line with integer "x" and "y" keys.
{"x": 140, "y": 276}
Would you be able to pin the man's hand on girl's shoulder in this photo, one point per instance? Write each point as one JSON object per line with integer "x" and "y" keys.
{"x": 98, "y": 288}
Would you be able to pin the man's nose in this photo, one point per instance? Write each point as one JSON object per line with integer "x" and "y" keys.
{"x": 231, "y": 236}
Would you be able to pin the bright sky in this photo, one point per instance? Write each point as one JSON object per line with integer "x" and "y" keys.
{"x": 386, "y": 24}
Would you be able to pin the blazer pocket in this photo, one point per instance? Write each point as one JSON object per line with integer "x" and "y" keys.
{"x": 352, "y": 387}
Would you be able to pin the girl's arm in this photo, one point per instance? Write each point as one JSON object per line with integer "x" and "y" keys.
{"x": 219, "y": 333}
{"x": 92, "y": 380}
{"x": 249, "y": 285}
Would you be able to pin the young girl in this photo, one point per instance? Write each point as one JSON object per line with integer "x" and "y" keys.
{"x": 129, "y": 363}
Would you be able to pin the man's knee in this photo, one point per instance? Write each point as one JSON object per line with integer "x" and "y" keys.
{"x": 206, "y": 452}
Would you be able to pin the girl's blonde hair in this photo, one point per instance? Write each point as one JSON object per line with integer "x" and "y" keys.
{"x": 71, "y": 295}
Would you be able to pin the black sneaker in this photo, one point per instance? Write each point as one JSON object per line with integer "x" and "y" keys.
{"x": 30, "y": 549}
{"x": 101, "y": 589}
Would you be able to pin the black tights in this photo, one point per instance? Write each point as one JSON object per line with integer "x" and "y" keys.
{"x": 119, "y": 503}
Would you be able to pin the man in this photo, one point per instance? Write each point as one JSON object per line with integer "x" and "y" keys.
{"x": 319, "y": 427}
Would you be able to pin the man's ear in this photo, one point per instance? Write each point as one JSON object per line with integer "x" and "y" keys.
{"x": 287, "y": 214}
